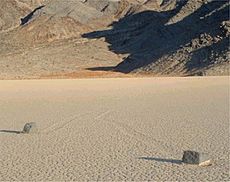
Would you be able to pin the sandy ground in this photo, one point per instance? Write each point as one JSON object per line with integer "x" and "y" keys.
{"x": 114, "y": 129}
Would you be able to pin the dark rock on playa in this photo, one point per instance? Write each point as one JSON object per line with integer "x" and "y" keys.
{"x": 30, "y": 128}
{"x": 193, "y": 157}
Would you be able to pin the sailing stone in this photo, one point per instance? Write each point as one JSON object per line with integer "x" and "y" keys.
{"x": 193, "y": 157}
{"x": 30, "y": 128}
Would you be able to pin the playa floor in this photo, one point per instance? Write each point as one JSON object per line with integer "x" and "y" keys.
{"x": 114, "y": 129}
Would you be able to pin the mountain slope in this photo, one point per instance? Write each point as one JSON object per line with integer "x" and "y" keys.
{"x": 13, "y": 10}
{"x": 157, "y": 37}
{"x": 186, "y": 40}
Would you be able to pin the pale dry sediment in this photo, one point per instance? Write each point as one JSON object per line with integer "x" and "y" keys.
{"x": 114, "y": 129}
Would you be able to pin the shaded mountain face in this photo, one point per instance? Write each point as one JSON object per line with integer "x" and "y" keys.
{"x": 186, "y": 40}
{"x": 160, "y": 37}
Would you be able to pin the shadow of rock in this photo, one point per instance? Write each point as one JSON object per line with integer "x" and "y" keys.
{"x": 174, "y": 161}
{"x": 27, "y": 18}
{"x": 10, "y": 131}
{"x": 147, "y": 36}
{"x": 108, "y": 68}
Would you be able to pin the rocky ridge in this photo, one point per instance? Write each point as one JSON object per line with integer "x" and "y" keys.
{"x": 157, "y": 37}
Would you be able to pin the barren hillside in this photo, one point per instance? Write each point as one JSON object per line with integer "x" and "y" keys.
{"x": 158, "y": 37}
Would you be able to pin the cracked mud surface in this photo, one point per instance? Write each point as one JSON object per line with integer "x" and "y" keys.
{"x": 114, "y": 129}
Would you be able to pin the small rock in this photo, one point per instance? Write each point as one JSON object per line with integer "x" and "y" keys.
{"x": 193, "y": 157}
{"x": 30, "y": 128}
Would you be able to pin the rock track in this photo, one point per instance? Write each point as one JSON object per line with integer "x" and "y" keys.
{"x": 114, "y": 129}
